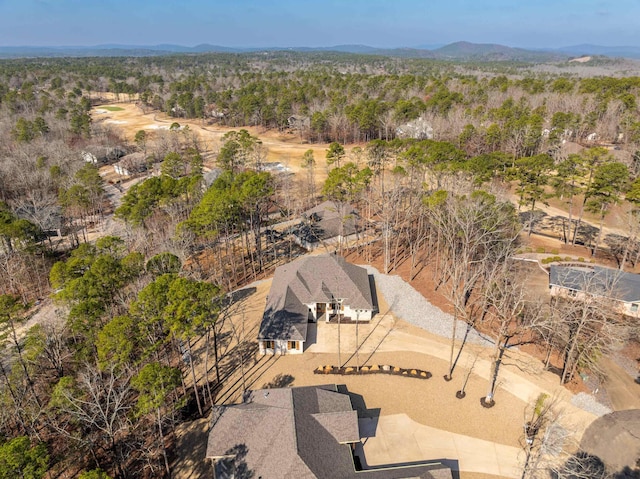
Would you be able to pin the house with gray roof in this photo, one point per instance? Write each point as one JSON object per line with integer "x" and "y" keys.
{"x": 131, "y": 164}
{"x": 419, "y": 129}
{"x": 310, "y": 289}
{"x": 581, "y": 281}
{"x": 302, "y": 433}
{"x": 328, "y": 223}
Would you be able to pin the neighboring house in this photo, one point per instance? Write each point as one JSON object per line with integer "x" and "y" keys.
{"x": 582, "y": 281}
{"x": 89, "y": 157}
{"x": 418, "y": 129}
{"x": 48, "y": 217}
{"x": 102, "y": 155}
{"x": 299, "y": 122}
{"x": 329, "y": 222}
{"x": 310, "y": 289}
{"x": 131, "y": 164}
{"x": 213, "y": 111}
{"x": 298, "y": 433}
{"x": 274, "y": 167}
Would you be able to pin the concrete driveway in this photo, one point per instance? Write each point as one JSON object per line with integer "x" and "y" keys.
{"x": 397, "y": 439}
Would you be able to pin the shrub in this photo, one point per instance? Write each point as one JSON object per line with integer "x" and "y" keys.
{"x": 551, "y": 259}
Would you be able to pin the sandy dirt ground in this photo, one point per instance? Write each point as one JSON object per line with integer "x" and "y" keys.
{"x": 388, "y": 340}
{"x": 430, "y": 402}
{"x": 622, "y": 390}
{"x": 288, "y": 147}
{"x": 284, "y": 147}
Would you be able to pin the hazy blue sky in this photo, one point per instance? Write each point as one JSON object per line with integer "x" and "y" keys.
{"x": 384, "y": 23}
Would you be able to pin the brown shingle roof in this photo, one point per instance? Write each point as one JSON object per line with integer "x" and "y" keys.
{"x": 309, "y": 280}
{"x": 296, "y": 433}
{"x": 328, "y": 220}
{"x": 261, "y": 430}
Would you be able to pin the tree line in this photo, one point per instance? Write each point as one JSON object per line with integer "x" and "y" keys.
{"x": 105, "y": 384}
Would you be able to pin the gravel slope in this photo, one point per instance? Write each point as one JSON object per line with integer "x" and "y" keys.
{"x": 409, "y": 305}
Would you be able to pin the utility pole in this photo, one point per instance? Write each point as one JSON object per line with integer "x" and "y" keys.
{"x": 339, "y": 303}
{"x": 357, "y": 344}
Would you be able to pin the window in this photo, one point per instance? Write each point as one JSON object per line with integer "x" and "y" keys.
{"x": 269, "y": 345}
{"x": 293, "y": 345}
{"x": 634, "y": 308}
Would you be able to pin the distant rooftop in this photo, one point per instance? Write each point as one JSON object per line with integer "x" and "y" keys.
{"x": 328, "y": 220}
{"x": 597, "y": 280}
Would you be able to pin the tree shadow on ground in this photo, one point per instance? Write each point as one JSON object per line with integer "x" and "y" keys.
{"x": 620, "y": 247}
{"x": 380, "y": 318}
{"x": 557, "y": 227}
{"x": 241, "y": 294}
{"x": 532, "y": 221}
{"x": 584, "y": 465}
{"x": 253, "y": 372}
{"x": 468, "y": 328}
{"x": 241, "y": 355}
{"x": 198, "y": 348}
{"x": 279, "y": 381}
{"x": 190, "y": 449}
{"x": 586, "y": 235}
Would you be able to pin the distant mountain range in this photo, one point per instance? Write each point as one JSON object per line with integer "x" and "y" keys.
{"x": 461, "y": 51}
{"x": 586, "y": 49}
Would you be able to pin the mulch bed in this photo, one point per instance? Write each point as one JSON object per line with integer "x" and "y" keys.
{"x": 375, "y": 369}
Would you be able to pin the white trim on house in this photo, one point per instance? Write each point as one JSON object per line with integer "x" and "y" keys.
{"x": 311, "y": 289}
{"x": 280, "y": 346}
{"x": 628, "y": 308}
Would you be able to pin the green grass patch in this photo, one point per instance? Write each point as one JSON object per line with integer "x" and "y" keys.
{"x": 112, "y": 108}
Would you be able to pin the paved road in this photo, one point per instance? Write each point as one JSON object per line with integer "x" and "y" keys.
{"x": 397, "y": 439}
{"x": 614, "y": 438}
{"x": 623, "y": 391}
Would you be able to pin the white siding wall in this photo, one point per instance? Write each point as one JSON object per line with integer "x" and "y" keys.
{"x": 357, "y": 314}
{"x": 630, "y": 310}
{"x": 361, "y": 315}
{"x": 622, "y": 307}
{"x": 280, "y": 347}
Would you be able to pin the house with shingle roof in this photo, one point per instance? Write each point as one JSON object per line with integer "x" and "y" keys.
{"x": 328, "y": 223}
{"x": 581, "y": 281}
{"x": 309, "y": 289}
{"x": 302, "y": 432}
